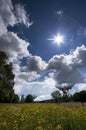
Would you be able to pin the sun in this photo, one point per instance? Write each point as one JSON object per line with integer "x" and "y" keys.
{"x": 58, "y": 39}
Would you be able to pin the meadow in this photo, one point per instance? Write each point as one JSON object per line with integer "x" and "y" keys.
{"x": 42, "y": 117}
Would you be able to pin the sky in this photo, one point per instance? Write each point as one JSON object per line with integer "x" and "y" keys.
{"x": 46, "y": 42}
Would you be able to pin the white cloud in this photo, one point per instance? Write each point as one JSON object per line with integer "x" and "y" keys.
{"x": 67, "y": 67}
{"x": 15, "y": 47}
{"x": 28, "y": 76}
{"x": 22, "y": 75}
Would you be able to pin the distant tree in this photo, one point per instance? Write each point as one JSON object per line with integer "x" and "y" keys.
{"x": 80, "y": 97}
{"x": 56, "y": 95}
{"x": 6, "y": 79}
{"x": 76, "y": 97}
{"x": 65, "y": 87}
{"x": 22, "y": 99}
{"x": 29, "y": 98}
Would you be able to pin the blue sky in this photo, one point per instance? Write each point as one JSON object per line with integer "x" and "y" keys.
{"x": 40, "y": 64}
{"x": 46, "y": 23}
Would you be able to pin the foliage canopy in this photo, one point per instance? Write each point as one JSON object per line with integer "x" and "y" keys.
{"x": 6, "y": 80}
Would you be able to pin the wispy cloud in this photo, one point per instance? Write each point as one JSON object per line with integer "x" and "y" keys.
{"x": 21, "y": 15}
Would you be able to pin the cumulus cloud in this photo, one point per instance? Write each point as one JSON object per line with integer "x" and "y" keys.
{"x": 15, "y": 47}
{"x": 35, "y": 63}
{"x": 21, "y": 74}
{"x": 28, "y": 76}
{"x": 67, "y": 67}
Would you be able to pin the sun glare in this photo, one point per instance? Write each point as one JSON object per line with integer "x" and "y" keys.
{"x": 58, "y": 39}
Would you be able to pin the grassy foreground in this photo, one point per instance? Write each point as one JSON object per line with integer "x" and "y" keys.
{"x": 41, "y": 117}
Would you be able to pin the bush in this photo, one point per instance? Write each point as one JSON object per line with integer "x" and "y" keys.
{"x": 29, "y": 98}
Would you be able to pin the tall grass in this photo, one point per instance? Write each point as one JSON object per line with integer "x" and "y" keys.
{"x": 41, "y": 117}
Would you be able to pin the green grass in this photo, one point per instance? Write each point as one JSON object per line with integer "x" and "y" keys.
{"x": 42, "y": 117}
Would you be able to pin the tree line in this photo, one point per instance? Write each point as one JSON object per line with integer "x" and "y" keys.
{"x": 76, "y": 97}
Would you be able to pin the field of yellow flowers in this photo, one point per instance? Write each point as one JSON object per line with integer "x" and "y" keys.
{"x": 41, "y": 117}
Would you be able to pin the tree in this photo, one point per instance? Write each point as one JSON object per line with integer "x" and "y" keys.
{"x": 56, "y": 95}
{"x": 29, "y": 98}
{"x": 22, "y": 99}
{"x": 6, "y": 79}
{"x": 65, "y": 87}
{"x": 80, "y": 97}
{"x": 15, "y": 98}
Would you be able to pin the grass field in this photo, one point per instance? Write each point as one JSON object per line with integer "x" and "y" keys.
{"x": 42, "y": 117}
